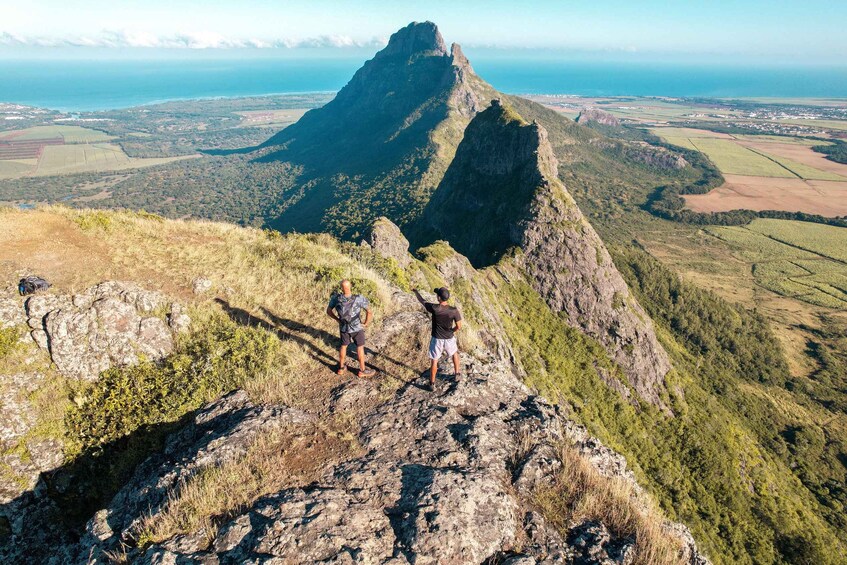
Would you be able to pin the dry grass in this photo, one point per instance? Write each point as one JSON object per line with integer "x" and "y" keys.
{"x": 275, "y": 462}
{"x": 581, "y": 493}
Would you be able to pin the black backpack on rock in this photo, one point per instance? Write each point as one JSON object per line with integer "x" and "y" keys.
{"x": 31, "y": 285}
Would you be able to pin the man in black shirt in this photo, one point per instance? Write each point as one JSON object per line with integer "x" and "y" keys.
{"x": 446, "y": 321}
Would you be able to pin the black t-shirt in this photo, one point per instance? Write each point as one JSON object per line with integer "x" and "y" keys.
{"x": 442, "y": 319}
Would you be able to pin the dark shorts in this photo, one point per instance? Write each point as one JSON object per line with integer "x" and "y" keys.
{"x": 356, "y": 337}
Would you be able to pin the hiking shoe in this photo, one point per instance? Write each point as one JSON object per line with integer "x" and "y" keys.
{"x": 341, "y": 371}
{"x": 429, "y": 387}
{"x": 367, "y": 373}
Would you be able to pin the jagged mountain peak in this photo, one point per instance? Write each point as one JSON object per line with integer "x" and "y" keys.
{"x": 459, "y": 58}
{"x": 414, "y": 39}
{"x": 394, "y": 127}
{"x": 502, "y": 191}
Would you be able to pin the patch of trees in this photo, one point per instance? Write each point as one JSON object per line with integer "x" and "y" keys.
{"x": 836, "y": 152}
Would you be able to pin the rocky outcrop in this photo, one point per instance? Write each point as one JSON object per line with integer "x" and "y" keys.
{"x": 220, "y": 433}
{"x": 506, "y": 167}
{"x": 445, "y": 478}
{"x": 413, "y": 40}
{"x": 11, "y": 312}
{"x": 657, "y": 157}
{"x": 571, "y": 269}
{"x": 23, "y": 455}
{"x": 110, "y": 324}
{"x": 597, "y": 116}
{"x": 386, "y": 239}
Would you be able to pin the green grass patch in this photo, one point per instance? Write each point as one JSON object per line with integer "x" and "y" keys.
{"x": 732, "y": 158}
{"x": 802, "y": 260}
{"x": 213, "y": 360}
{"x": 9, "y": 338}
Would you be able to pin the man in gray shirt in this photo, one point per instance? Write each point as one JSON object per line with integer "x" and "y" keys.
{"x": 346, "y": 309}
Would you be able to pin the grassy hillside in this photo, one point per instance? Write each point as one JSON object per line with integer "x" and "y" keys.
{"x": 752, "y": 466}
{"x": 262, "y": 328}
{"x": 735, "y": 460}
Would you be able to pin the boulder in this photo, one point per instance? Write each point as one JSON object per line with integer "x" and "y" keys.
{"x": 178, "y": 320}
{"x": 107, "y": 325}
{"x": 386, "y": 239}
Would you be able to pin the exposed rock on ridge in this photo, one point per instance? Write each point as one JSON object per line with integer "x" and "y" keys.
{"x": 589, "y": 115}
{"x": 507, "y": 167}
{"x": 386, "y": 239}
{"x": 414, "y": 39}
{"x": 109, "y": 324}
{"x": 444, "y": 479}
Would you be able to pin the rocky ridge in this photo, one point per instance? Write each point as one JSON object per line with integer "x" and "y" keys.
{"x": 507, "y": 167}
{"x": 445, "y": 479}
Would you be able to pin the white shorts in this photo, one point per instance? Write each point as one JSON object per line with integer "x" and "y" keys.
{"x": 437, "y": 347}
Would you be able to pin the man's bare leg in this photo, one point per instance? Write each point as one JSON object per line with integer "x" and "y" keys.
{"x": 360, "y": 352}
{"x": 456, "y": 364}
{"x": 342, "y": 358}
{"x": 433, "y": 370}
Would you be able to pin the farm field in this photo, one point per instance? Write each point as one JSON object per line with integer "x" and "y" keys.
{"x": 757, "y": 155}
{"x": 764, "y": 173}
{"x": 798, "y": 153}
{"x": 62, "y": 159}
{"x": 70, "y": 134}
{"x": 271, "y": 118}
{"x": 732, "y": 158}
{"x": 60, "y": 149}
{"x": 739, "y": 192}
{"x": 799, "y": 260}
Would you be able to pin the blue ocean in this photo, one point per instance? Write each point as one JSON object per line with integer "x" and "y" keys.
{"x": 81, "y": 85}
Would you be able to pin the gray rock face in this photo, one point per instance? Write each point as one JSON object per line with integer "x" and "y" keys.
{"x": 414, "y": 39}
{"x": 657, "y": 157}
{"x": 588, "y": 115}
{"x": 571, "y": 269}
{"x": 220, "y": 433}
{"x": 11, "y": 312}
{"x": 442, "y": 480}
{"x": 107, "y": 325}
{"x": 386, "y": 239}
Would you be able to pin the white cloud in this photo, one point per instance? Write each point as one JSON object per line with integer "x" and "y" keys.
{"x": 189, "y": 40}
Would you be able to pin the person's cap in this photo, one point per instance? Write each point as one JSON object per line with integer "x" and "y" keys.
{"x": 442, "y": 293}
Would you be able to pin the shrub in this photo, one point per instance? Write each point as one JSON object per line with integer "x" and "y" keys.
{"x": 216, "y": 359}
{"x": 94, "y": 220}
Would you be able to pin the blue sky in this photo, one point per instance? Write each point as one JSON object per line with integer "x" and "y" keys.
{"x": 810, "y": 31}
